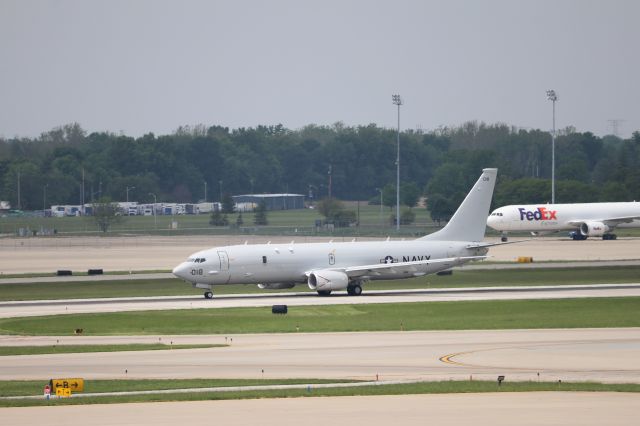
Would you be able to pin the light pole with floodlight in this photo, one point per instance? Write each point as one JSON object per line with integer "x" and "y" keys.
{"x": 397, "y": 100}
{"x": 551, "y": 95}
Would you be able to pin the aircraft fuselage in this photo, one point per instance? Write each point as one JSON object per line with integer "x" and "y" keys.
{"x": 290, "y": 263}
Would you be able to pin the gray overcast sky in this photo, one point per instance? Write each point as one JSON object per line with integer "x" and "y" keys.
{"x": 152, "y": 65}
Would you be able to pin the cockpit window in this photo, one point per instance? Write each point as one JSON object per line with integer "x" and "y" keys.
{"x": 197, "y": 259}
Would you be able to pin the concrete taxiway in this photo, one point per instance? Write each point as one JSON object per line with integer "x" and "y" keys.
{"x": 474, "y": 266}
{"x": 496, "y": 409}
{"x": 603, "y": 355}
{"x": 46, "y": 255}
{"x": 75, "y": 306}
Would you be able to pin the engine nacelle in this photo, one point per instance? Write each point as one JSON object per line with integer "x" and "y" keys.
{"x": 276, "y": 286}
{"x": 327, "y": 280}
{"x": 594, "y": 229}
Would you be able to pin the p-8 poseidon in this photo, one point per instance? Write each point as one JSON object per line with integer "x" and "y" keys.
{"x": 334, "y": 266}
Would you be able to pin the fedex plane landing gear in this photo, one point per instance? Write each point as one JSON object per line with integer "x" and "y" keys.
{"x": 503, "y": 237}
{"x": 208, "y": 295}
{"x": 609, "y": 236}
{"x": 324, "y": 292}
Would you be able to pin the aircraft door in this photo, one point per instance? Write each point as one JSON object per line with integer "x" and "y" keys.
{"x": 224, "y": 260}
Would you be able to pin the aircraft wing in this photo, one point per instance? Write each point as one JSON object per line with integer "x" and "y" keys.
{"x": 611, "y": 221}
{"x": 399, "y": 267}
{"x": 499, "y": 243}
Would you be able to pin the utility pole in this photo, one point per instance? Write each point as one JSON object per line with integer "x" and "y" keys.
{"x": 129, "y": 188}
{"x": 44, "y": 200}
{"x": 380, "y": 219}
{"x": 82, "y": 194}
{"x": 330, "y": 167}
{"x": 155, "y": 201}
{"x": 19, "y": 206}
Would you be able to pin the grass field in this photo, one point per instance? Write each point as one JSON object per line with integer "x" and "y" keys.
{"x": 398, "y": 389}
{"x": 283, "y": 222}
{"x": 69, "y": 349}
{"x": 35, "y": 387}
{"x": 467, "y": 315}
{"x": 461, "y": 278}
{"x": 280, "y": 222}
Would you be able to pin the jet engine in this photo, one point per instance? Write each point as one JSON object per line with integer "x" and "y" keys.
{"x": 593, "y": 229}
{"x": 327, "y": 280}
{"x": 276, "y": 286}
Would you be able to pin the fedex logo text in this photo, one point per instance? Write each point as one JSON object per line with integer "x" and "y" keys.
{"x": 542, "y": 213}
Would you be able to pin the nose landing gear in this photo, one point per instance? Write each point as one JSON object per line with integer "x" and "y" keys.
{"x": 208, "y": 295}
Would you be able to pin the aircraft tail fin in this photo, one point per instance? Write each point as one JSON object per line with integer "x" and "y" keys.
{"x": 470, "y": 220}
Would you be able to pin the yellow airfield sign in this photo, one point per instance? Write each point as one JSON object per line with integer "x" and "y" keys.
{"x": 74, "y": 385}
{"x": 63, "y": 392}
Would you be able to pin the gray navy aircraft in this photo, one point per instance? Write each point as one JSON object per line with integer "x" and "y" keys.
{"x": 334, "y": 266}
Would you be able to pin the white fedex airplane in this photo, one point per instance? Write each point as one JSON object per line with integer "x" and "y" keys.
{"x": 585, "y": 219}
{"x": 326, "y": 267}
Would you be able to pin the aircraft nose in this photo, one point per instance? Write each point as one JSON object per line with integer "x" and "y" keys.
{"x": 179, "y": 271}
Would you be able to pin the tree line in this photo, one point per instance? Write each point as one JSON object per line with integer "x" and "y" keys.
{"x": 66, "y": 165}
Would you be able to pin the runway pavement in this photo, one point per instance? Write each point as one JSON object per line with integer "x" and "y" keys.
{"x": 474, "y": 266}
{"x": 46, "y": 255}
{"x": 75, "y": 306}
{"x": 603, "y": 355}
{"x": 495, "y": 409}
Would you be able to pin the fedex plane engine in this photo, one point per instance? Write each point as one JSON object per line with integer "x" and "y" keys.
{"x": 326, "y": 280}
{"x": 593, "y": 229}
{"x": 276, "y": 286}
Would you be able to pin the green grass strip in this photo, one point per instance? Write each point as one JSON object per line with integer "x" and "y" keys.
{"x": 35, "y": 387}
{"x": 465, "y": 315}
{"x": 71, "y": 349}
{"x": 402, "y": 389}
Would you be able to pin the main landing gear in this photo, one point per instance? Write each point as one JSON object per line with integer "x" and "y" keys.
{"x": 354, "y": 290}
{"x": 609, "y": 236}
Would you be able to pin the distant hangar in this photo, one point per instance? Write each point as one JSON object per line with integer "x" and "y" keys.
{"x": 271, "y": 201}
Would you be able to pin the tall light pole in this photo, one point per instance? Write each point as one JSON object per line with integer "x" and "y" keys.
{"x": 397, "y": 100}
{"x": 155, "y": 201}
{"x": 129, "y": 188}
{"x": 551, "y": 95}
{"x": 205, "y": 191}
{"x": 220, "y": 182}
